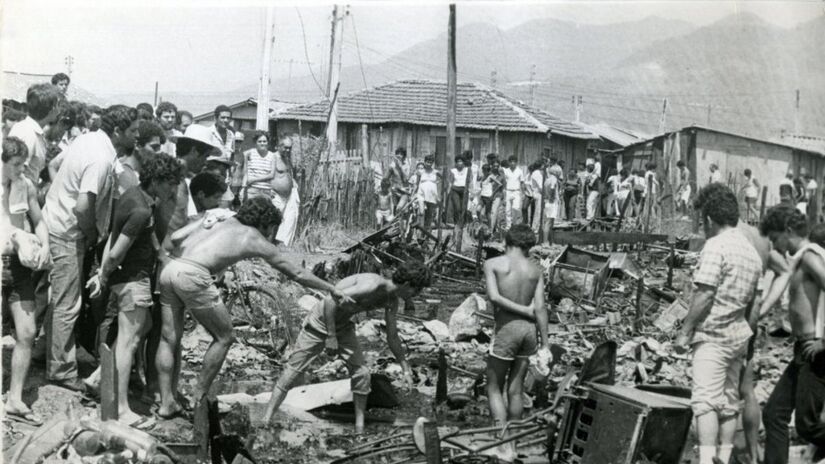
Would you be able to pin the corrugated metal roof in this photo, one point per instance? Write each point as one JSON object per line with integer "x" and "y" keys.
{"x": 422, "y": 102}
{"x": 804, "y": 142}
{"x": 617, "y": 135}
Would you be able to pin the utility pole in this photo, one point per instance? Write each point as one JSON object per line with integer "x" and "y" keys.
{"x": 262, "y": 114}
{"x": 532, "y": 83}
{"x": 796, "y": 115}
{"x": 493, "y": 78}
{"x": 663, "y": 119}
{"x": 708, "y": 120}
{"x": 69, "y": 60}
{"x": 155, "y": 101}
{"x": 332, "y": 81}
{"x": 451, "y": 111}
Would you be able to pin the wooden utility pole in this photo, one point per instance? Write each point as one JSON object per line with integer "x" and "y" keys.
{"x": 451, "y": 110}
{"x": 663, "y": 119}
{"x": 332, "y": 81}
{"x": 708, "y": 120}
{"x": 493, "y": 80}
{"x": 155, "y": 101}
{"x": 262, "y": 113}
{"x": 577, "y": 107}
{"x": 532, "y": 84}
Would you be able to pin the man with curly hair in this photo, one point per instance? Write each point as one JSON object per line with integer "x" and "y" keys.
{"x": 515, "y": 286}
{"x": 329, "y": 328}
{"x": 201, "y": 249}
{"x": 166, "y": 114}
{"x": 800, "y": 390}
{"x": 128, "y": 263}
{"x": 716, "y": 327}
{"x": 771, "y": 260}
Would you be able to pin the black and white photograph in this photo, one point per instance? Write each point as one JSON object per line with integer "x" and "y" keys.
{"x": 397, "y": 232}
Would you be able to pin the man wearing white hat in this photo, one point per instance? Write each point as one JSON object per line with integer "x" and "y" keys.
{"x": 286, "y": 193}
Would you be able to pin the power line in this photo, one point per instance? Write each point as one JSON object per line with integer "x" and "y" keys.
{"x": 361, "y": 65}
{"x": 306, "y": 52}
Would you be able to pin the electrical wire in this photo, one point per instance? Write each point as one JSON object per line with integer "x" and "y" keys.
{"x": 306, "y": 52}
{"x": 361, "y": 65}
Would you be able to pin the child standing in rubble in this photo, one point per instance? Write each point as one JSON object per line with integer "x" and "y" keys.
{"x": 515, "y": 286}
{"x": 329, "y": 327}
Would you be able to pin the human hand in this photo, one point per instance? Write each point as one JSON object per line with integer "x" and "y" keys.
{"x": 331, "y": 346}
{"x": 811, "y": 348}
{"x": 682, "y": 343}
{"x": 95, "y": 285}
{"x": 43, "y": 257}
{"x": 341, "y": 297}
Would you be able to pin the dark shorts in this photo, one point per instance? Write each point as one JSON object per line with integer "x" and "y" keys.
{"x": 18, "y": 284}
{"x": 515, "y": 339}
{"x": 456, "y": 203}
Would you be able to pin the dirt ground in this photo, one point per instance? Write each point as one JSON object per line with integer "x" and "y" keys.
{"x": 304, "y": 438}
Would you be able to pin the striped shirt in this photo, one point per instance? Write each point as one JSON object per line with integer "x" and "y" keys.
{"x": 259, "y": 166}
{"x": 731, "y": 265}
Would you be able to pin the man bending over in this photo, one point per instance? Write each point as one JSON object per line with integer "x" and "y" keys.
{"x": 329, "y": 324}
{"x": 201, "y": 249}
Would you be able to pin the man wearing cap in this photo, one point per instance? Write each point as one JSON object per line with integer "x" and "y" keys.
{"x": 221, "y": 133}
{"x": 286, "y": 192}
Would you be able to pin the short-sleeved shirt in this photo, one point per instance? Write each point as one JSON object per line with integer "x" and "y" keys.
{"x": 259, "y": 166}
{"x": 31, "y": 133}
{"x": 512, "y": 178}
{"x": 557, "y": 171}
{"x": 731, "y": 265}
{"x": 87, "y": 168}
{"x": 135, "y": 219}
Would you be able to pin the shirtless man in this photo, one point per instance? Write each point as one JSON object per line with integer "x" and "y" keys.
{"x": 801, "y": 388}
{"x": 515, "y": 286}
{"x": 201, "y": 249}
{"x": 286, "y": 192}
{"x": 328, "y": 327}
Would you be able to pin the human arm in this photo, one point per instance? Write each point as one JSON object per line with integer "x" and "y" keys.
{"x": 40, "y": 229}
{"x": 700, "y": 307}
{"x": 86, "y": 217}
{"x": 782, "y": 274}
{"x": 495, "y": 297}
{"x": 541, "y": 311}
{"x": 394, "y": 342}
{"x": 267, "y": 177}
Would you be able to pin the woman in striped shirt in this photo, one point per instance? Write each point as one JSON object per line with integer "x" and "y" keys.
{"x": 260, "y": 168}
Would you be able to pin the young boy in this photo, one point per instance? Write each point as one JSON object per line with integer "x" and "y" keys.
{"x": 384, "y": 212}
{"x": 329, "y": 327}
{"x": 515, "y": 286}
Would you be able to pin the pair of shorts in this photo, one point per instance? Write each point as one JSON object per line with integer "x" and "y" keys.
{"x": 311, "y": 342}
{"x": 131, "y": 296}
{"x": 514, "y": 339}
{"x": 187, "y": 285}
{"x": 716, "y": 375}
{"x": 18, "y": 284}
{"x": 384, "y": 215}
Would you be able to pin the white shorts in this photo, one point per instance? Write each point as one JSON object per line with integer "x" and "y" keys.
{"x": 384, "y": 215}
{"x": 513, "y": 196}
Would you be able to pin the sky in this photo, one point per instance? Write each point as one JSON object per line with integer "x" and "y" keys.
{"x": 124, "y": 46}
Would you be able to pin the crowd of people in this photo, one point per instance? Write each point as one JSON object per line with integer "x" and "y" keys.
{"x": 114, "y": 220}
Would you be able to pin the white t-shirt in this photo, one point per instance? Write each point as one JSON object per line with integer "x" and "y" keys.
{"x": 86, "y": 168}
{"x": 512, "y": 178}
{"x": 536, "y": 181}
{"x": 459, "y": 177}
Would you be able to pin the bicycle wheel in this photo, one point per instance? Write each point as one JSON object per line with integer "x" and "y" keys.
{"x": 267, "y": 308}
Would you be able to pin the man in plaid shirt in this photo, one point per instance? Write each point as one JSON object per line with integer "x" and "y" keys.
{"x": 716, "y": 326}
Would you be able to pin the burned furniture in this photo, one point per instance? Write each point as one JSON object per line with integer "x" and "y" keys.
{"x": 578, "y": 274}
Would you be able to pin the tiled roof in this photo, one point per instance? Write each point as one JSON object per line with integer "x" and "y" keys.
{"x": 14, "y": 85}
{"x": 425, "y": 103}
{"x": 275, "y": 106}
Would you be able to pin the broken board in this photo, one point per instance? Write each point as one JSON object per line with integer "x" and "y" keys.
{"x": 599, "y": 238}
{"x": 578, "y": 273}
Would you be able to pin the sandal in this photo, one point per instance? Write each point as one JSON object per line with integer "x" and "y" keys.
{"x": 25, "y": 417}
{"x": 144, "y": 423}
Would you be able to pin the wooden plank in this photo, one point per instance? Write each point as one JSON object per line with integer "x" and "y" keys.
{"x": 108, "y": 384}
{"x": 598, "y": 238}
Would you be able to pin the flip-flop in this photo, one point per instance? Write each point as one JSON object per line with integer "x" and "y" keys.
{"x": 25, "y": 417}
{"x": 144, "y": 423}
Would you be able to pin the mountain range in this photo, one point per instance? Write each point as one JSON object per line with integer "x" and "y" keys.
{"x": 739, "y": 74}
